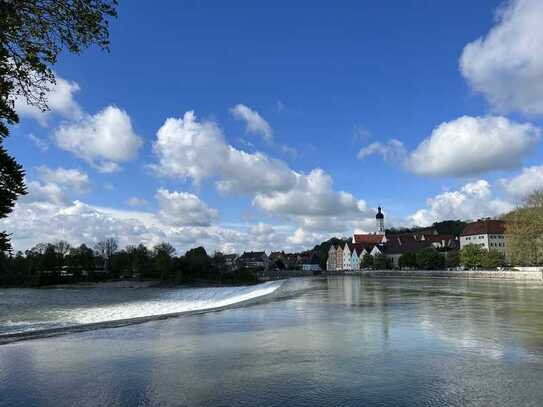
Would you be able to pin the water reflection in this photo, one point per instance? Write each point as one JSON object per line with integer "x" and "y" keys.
{"x": 350, "y": 341}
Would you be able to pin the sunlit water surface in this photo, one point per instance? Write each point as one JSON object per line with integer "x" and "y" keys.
{"x": 339, "y": 341}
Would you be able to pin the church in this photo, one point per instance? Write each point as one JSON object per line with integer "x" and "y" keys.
{"x": 349, "y": 257}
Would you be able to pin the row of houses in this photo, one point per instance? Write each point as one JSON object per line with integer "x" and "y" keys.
{"x": 308, "y": 261}
{"x": 487, "y": 233}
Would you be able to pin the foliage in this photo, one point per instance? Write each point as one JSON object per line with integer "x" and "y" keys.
{"x": 471, "y": 256}
{"x": 524, "y": 231}
{"x": 407, "y": 260}
{"x": 452, "y": 259}
{"x": 430, "y": 259}
{"x": 32, "y": 35}
{"x": 60, "y": 262}
{"x": 367, "y": 261}
{"x": 492, "y": 259}
{"x": 381, "y": 262}
{"x": 447, "y": 227}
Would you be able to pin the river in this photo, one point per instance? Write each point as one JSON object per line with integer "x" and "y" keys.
{"x": 344, "y": 341}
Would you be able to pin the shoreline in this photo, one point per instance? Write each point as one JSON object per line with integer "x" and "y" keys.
{"x": 471, "y": 274}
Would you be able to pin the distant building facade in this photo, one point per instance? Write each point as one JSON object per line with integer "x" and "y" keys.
{"x": 486, "y": 233}
{"x": 253, "y": 260}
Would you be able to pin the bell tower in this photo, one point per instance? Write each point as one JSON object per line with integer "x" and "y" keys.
{"x": 380, "y": 222}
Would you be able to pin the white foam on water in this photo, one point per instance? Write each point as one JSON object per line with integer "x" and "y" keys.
{"x": 171, "y": 302}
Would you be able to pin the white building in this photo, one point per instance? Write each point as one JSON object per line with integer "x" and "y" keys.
{"x": 347, "y": 257}
{"x": 487, "y": 233}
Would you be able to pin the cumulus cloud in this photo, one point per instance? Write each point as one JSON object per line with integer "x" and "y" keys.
{"x": 312, "y": 195}
{"x": 506, "y": 65}
{"x": 473, "y": 201}
{"x": 465, "y": 146}
{"x": 188, "y": 148}
{"x": 254, "y": 122}
{"x": 46, "y": 219}
{"x": 60, "y": 100}
{"x": 530, "y": 179}
{"x": 392, "y": 152}
{"x": 45, "y": 192}
{"x": 184, "y": 209}
{"x": 104, "y": 140}
{"x": 68, "y": 177}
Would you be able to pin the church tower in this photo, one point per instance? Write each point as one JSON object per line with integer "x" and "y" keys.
{"x": 380, "y": 220}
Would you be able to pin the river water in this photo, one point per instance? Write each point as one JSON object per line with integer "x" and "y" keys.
{"x": 343, "y": 341}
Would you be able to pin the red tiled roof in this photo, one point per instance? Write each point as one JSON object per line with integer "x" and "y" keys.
{"x": 368, "y": 239}
{"x": 484, "y": 227}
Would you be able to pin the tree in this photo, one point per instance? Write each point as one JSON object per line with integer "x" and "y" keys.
{"x": 162, "y": 259}
{"x": 492, "y": 259}
{"x": 381, "y": 262}
{"x": 471, "y": 256}
{"x": 62, "y": 248}
{"x": 524, "y": 231}
{"x": 367, "y": 261}
{"x": 32, "y": 35}
{"x": 105, "y": 249}
{"x": 430, "y": 259}
{"x": 452, "y": 259}
{"x": 408, "y": 259}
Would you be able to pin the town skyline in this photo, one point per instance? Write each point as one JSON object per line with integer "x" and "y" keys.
{"x": 233, "y": 160}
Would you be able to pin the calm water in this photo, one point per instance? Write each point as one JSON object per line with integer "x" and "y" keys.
{"x": 337, "y": 341}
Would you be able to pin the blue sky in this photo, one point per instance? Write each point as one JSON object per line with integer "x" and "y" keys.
{"x": 295, "y": 107}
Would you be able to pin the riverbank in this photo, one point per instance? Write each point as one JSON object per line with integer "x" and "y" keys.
{"x": 485, "y": 274}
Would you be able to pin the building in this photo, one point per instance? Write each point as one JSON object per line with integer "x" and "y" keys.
{"x": 230, "y": 261}
{"x": 253, "y": 260}
{"x": 347, "y": 256}
{"x": 487, "y": 233}
{"x": 373, "y": 238}
{"x": 312, "y": 265}
{"x": 380, "y": 220}
{"x": 356, "y": 258}
{"x": 339, "y": 258}
{"x": 331, "y": 260}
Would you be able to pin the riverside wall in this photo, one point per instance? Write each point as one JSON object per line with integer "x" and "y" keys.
{"x": 532, "y": 275}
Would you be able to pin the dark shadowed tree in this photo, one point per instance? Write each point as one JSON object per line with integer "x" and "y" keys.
{"x": 106, "y": 248}
{"x": 32, "y": 35}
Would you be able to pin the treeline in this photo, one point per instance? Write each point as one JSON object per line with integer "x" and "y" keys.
{"x": 60, "y": 262}
{"x": 446, "y": 227}
{"x": 524, "y": 231}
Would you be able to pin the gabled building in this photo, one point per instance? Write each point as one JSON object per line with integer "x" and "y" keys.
{"x": 347, "y": 256}
{"x": 253, "y": 260}
{"x": 331, "y": 261}
{"x": 356, "y": 257}
{"x": 339, "y": 258}
{"x": 487, "y": 233}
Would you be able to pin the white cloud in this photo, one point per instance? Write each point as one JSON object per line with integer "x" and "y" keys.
{"x": 184, "y": 209}
{"x": 187, "y": 148}
{"x": 312, "y": 195}
{"x": 104, "y": 140}
{"x": 71, "y": 178}
{"x": 60, "y": 100}
{"x": 506, "y": 65}
{"x": 254, "y": 122}
{"x": 135, "y": 201}
{"x": 305, "y": 238}
{"x": 41, "y": 144}
{"x": 465, "y": 146}
{"x": 529, "y": 180}
{"x": 473, "y": 201}
{"x": 45, "y": 192}
{"x": 392, "y": 152}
